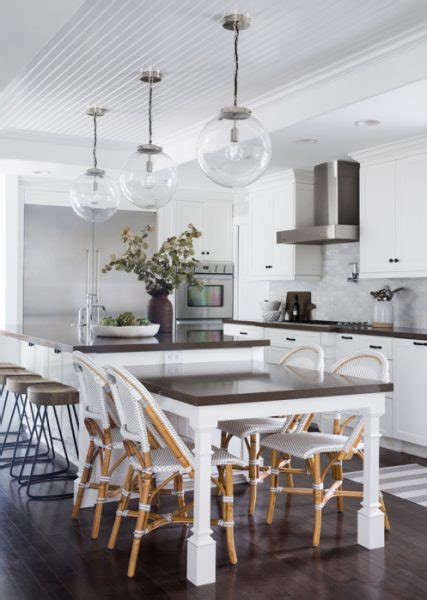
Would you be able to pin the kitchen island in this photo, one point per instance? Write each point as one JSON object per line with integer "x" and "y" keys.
{"x": 45, "y": 347}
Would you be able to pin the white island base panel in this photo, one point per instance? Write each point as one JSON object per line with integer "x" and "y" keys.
{"x": 173, "y": 360}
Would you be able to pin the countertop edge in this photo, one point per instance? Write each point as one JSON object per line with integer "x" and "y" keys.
{"x": 409, "y": 335}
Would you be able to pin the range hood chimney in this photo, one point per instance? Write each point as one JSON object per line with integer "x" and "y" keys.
{"x": 336, "y": 207}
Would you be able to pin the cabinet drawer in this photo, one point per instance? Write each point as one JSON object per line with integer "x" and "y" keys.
{"x": 378, "y": 344}
{"x": 349, "y": 343}
{"x": 291, "y": 338}
{"x": 244, "y": 331}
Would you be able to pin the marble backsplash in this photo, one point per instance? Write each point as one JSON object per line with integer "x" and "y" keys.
{"x": 339, "y": 300}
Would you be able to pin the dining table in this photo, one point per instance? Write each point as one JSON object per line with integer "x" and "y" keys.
{"x": 205, "y": 393}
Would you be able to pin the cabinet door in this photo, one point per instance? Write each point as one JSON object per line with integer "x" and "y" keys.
{"x": 217, "y": 240}
{"x": 283, "y": 218}
{"x": 186, "y": 213}
{"x": 411, "y": 213}
{"x": 377, "y": 219}
{"x": 261, "y": 215}
{"x": 410, "y": 384}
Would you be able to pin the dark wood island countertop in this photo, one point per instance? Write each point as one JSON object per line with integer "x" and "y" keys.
{"x": 206, "y": 384}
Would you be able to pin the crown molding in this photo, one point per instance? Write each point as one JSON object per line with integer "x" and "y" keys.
{"x": 392, "y": 151}
{"x": 272, "y": 180}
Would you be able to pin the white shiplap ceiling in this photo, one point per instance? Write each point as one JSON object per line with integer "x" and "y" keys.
{"x": 97, "y": 55}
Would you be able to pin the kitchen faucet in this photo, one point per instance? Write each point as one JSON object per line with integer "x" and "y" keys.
{"x": 87, "y": 311}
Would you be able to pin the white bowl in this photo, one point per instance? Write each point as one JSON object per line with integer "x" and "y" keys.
{"x": 127, "y": 331}
{"x": 271, "y": 316}
{"x": 269, "y": 305}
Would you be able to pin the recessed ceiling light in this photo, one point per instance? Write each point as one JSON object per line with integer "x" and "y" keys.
{"x": 42, "y": 172}
{"x": 367, "y": 123}
{"x": 306, "y": 141}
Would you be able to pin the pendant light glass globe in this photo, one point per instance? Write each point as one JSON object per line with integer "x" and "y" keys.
{"x": 94, "y": 196}
{"x": 149, "y": 177}
{"x": 233, "y": 148}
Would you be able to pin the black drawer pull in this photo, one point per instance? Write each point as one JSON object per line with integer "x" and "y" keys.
{"x": 390, "y": 260}
{"x": 57, "y": 351}
{"x": 243, "y": 332}
{"x": 420, "y": 343}
{"x": 346, "y": 337}
{"x": 268, "y": 266}
{"x": 30, "y": 344}
{"x": 375, "y": 347}
{"x": 290, "y": 339}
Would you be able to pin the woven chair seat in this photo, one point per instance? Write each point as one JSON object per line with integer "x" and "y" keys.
{"x": 18, "y": 384}
{"x": 52, "y": 393}
{"x": 164, "y": 460}
{"x": 5, "y": 373}
{"x": 246, "y": 427}
{"x": 116, "y": 439}
{"x": 305, "y": 445}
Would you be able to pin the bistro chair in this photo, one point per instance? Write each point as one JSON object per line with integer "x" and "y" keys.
{"x": 174, "y": 459}
{"x": 101, "y": 422}
{"x": 310, "y": 446}
{"x": 310, "y": 356}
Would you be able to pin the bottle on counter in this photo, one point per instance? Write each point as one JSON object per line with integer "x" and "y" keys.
{"x": 295, "y": 310}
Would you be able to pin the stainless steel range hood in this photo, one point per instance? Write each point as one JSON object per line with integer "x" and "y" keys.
{"x": 336, "y": 207}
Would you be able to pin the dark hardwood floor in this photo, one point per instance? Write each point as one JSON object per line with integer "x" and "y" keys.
{"x": 44, "y": 555}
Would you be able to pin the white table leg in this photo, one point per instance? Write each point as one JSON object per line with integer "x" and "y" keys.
{"x": 370, "y": 519}
{"x": 201, "y": 551}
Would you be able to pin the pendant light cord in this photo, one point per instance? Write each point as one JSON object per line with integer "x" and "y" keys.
{"x": 236, "y": 59}
{"x": 95, "y": 141}
{"x": 150, "y": 108}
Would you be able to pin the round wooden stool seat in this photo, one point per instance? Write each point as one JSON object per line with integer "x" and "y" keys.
{"x": 5, "y": 373}
{"x": 18, "y": 384}
{"x": 9, "y": 366}
{"x": 52, "y": 393}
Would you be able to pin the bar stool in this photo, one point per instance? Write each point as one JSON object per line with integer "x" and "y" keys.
{"x": 44, "y": 396}
{"x": 4, "y": 374}
{"x": 18, "y": 385}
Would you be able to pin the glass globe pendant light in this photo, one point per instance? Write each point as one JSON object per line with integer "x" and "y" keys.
{"x": 233, "y": 148}
{"x": 94, "y": 196}
{"x": 150, "y": 176}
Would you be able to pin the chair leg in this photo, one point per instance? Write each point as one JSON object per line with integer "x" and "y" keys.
{"x": 123, "y": 504}
{"x": 179, "y": 491}
{"x": 253, "y": 473}
{"x": 85, "y": 479}
{"x": 141, "y": 521}
{"x": 337, "y": 474}
{"x": 317, "y": 498}
{"x": 289, "y": 476}
{"x": 275, "y": 460}
{"x": 229, "y": 514}
{"x": 383, "y": 508}
{"x": 104, "y": 481}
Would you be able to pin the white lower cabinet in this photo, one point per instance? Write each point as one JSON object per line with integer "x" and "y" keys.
{"x": 410, "y": 385}
{"x": 244, "y": 331}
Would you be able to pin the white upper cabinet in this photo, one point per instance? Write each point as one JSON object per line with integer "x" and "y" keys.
{"x": 278, "y": 202}
{"x": 377, "y": 219}
{"x": 213, "y": 218}
{"x": 411, "y": 213}
{"x": 393, "y": 210}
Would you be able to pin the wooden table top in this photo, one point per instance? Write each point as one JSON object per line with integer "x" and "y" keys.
{"x": 206, "y": 384}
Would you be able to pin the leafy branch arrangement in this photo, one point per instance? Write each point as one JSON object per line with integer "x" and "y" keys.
{"x": 166, "y": 269}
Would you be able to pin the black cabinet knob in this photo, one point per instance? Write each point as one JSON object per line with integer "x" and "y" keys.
{"x": 207, "y": 252}
{"x": 390, "y": 260}
{"x": 396, "y": 260}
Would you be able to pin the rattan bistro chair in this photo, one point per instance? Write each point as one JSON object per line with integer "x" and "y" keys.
{"x": 174, "y": 459}
{"x": 309, "y": 356}
{"x": 101, "y": 421}
{"x": 310, "y": 446}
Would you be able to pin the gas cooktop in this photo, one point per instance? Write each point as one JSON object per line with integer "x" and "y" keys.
{"x": 353, "y": 324}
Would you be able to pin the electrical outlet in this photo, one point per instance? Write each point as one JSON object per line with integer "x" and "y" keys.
{"x": 172, "y": 357}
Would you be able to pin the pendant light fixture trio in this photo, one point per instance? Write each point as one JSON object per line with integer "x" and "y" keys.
{"x": 94, "y": 196}
{"x": 238, "y": 155}
{"x": 150, "y": 176}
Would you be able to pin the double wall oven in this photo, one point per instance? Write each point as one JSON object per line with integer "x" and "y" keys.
{"x": 213, "y": 299}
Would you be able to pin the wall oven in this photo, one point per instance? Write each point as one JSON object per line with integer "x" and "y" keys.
{"x": 212, "y": 300}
